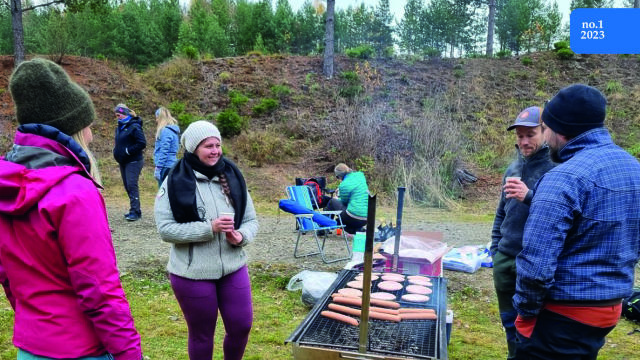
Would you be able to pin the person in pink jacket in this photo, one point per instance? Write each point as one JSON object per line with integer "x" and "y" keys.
{"x": 57, "y": 262}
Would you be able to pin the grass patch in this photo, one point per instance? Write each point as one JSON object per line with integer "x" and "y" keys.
{"x": 476, "y": 330}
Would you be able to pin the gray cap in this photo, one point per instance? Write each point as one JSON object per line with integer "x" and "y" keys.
{"x": 529, "y": 117}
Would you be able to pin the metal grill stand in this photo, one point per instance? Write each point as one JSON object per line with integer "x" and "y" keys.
{"x": 321, "y": 338}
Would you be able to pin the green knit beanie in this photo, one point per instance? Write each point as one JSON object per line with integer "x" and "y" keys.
{"x": 44, "y": 94}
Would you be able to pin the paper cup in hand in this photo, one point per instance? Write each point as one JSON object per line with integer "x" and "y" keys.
{"x": 513, "y": 178}
{"x": 229, "y": 214}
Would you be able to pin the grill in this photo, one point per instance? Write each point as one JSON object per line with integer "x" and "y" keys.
{"x": 319, "y": 337}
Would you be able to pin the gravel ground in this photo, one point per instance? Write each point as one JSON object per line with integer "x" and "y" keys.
{"x": 138, "y": 244}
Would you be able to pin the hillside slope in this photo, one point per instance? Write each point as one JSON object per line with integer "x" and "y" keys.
{"x": 314, "y": 121}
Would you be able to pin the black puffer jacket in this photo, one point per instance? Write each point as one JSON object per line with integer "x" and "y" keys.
{"x": 130, "y": 141}
{"x": 511, "y": 214}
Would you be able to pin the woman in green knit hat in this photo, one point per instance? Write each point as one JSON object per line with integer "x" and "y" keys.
{"x": 353, "y": 198}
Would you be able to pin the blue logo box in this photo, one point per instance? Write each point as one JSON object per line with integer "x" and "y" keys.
{"x": 605, "y": 31}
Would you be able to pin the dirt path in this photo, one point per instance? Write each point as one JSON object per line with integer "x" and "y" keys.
{"x": 138, "y": 244}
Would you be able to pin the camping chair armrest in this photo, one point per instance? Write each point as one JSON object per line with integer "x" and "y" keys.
{"x": 303, "y": 215}
{"x": 334, "y": 212}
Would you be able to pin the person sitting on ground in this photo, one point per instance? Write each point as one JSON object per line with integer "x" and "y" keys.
{"x": 353, "y": 198}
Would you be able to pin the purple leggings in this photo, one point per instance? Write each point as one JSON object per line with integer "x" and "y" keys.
{"x": 200, "y": 301}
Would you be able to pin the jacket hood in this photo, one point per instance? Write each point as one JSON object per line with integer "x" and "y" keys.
{"x": 38, "y": 161}
{"x": 21, "y": 188}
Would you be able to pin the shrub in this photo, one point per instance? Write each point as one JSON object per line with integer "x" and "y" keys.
{"x": 541, "y": 83}
{"x": 266, "y": 105}
{"x": 185, "y": 119}
{"x": 565, "y": 54}
{"x": 351, "y": 91}
{"x": 176, "y": 107}
{"x": 224, "y": 76}
{"x": 280, "y": 91}
{"x": 431, "y": 52}
{"x": 254, "y": 53}
{"x": 458, "y": 73}
{"x": 190, "y": 52}
{"x": 363, "y": 51}
{"x": 526, "y": 61}
{"x": 613, "y": 87}
{"x": 237, "y": 99}
{"x": 389, "y": 52}
{"x": 269, "y": 146}
{"x": 561, "y": 45}
{"x": 230, "y": 123}
{"x": 634, "y": 150}
{"x": 503, "y": 54}
{"x": 350, "y": 76}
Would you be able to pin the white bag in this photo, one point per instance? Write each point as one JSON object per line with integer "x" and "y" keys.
{"x": 313, "y": 284}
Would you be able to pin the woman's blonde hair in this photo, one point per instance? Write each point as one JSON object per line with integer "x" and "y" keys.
{"x": 164, "y": 118}
{"x": 94, "y": 171}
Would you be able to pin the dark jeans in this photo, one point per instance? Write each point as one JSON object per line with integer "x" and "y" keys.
{"x": 504, "y": 280}
{"x": 558, "y": 337}
{"x": 130, "y": 173}
{"x": 351, "y": 224}
{"x": 200, "y": 301}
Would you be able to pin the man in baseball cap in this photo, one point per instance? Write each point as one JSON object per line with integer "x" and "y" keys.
{"x": 512, "y": 212}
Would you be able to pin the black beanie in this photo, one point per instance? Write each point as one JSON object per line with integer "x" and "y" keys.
{"x": 44, "y": 94}
{"x": 574, "y": 110}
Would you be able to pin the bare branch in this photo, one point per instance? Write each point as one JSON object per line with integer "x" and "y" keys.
{"x": 42, "y": 5}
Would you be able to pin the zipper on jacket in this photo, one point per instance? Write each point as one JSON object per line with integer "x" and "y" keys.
{"x": 221, "y": 236}
{"x": 190, "y": 254}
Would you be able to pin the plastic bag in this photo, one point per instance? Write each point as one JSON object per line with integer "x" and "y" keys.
{"x": 412, "y": 246}
{"x": 465, "y": 258}
{"x": 313, "y": 284}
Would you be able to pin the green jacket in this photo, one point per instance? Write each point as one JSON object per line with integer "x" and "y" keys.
{"x": 354, "y": 194}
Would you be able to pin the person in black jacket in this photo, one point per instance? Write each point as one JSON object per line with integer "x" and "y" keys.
{"x": 129, "y": 145}
{"x": 511, "y": 215}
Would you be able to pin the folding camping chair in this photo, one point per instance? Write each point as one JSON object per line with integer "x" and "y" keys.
{"x": 306, "y": 224}
{"x": 318, "y": 186}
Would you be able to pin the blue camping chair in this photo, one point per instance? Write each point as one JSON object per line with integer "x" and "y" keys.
{"x": 310, "y": 222}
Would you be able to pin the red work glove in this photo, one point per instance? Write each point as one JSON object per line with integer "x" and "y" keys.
{"x": 525, "y": 325}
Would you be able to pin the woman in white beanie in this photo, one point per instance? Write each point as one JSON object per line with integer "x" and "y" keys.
{"x": 204, "y": 210}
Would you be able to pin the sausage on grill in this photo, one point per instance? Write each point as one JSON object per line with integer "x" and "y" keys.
{"x": 357, "y": 312}
{"x": 418, "y": 316}
{"x": 339, "y": 317}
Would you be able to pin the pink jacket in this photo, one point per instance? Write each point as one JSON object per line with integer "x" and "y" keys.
{"x": 57, "y": 261}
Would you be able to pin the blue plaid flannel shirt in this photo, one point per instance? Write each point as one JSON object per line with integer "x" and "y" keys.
{"x": 582, "y": 237}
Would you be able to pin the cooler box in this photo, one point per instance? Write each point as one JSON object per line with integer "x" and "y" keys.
{"x": 414, "y": 265}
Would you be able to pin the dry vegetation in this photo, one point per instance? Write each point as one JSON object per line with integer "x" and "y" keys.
{"x": 403, "y": 122}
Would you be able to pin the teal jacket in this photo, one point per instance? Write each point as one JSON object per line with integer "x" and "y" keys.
{"x": 354, "y": 194}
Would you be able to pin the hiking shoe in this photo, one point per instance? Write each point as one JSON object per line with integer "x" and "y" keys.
{"x": 133, "y": 217}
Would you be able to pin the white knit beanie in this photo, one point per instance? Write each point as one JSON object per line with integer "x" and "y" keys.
{"x": 196, "y": 132}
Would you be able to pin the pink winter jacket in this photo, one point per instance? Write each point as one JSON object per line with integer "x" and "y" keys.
{"x": 57, "y": 262}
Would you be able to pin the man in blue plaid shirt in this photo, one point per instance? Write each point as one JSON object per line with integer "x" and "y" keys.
{"x": 582, "y": 237}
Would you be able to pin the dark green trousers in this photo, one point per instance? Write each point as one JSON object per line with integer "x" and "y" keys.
{"x": 504, "y": 280}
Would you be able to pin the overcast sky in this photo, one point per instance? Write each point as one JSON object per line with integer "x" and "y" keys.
{"x": 397, "y": 6}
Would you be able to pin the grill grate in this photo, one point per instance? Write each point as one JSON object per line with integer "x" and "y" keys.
{"x": 415, "y": 338}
